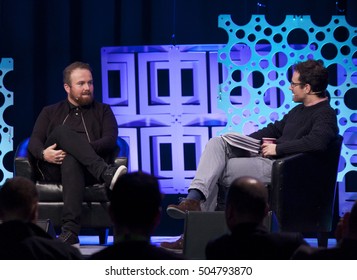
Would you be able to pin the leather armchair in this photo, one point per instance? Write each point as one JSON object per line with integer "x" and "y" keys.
{"x": 302, "y": 191}
{"x": 95, "y": 203}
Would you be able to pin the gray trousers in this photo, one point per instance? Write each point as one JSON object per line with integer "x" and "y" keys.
{"x": 220, "y": 164}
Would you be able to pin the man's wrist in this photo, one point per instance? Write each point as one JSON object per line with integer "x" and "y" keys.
{"x": 43, "y": 155}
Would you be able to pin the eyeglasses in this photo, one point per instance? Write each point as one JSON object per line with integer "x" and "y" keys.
{"x": 296, "y": 84}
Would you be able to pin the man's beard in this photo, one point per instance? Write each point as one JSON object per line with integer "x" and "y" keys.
{"x": 83, "y": 99}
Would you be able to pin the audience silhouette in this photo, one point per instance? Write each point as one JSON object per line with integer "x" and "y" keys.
{"x": 20, "y": 237}
{"x": 246, "y": 208}
{"x": 346, "y": 237}
{"x": 135, "y": 222}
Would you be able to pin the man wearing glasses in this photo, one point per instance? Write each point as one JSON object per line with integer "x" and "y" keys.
{"x": 309, "y": 126}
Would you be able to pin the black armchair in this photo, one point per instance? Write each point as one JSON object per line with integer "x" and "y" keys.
{"x": 302, "y": 191}
{"x": 94, "y": 207}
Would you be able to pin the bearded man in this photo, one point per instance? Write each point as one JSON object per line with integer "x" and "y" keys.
{"x": 74, "y": 143}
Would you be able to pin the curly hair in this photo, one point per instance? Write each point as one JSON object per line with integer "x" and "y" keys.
{"x": 314, "y": 73}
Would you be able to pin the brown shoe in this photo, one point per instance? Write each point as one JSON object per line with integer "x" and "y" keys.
{"x": 176, "y": 246}
{"x": 179, "y": 211}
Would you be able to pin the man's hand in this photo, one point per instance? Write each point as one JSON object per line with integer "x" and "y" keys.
{"x": 50, "y": 154}
{"x": 268, "y": 149}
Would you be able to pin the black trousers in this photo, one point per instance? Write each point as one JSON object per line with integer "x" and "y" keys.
{"x": 81, "y": 166}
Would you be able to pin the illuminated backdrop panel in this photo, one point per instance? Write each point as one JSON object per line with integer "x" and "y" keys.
{"x": 6, "y": 130}
{"x": 169, "y": 100}
{"x": 261, "y": 76}
{"x": 165, "y": 102}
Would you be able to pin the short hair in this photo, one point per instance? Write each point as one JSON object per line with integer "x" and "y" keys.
{"x": 314, "y": 73}
{"x": 17, "y": 197}
{"x": 136, "y": 201}
{"x": 248, "y": 196}
{"x": 70, "y": 68}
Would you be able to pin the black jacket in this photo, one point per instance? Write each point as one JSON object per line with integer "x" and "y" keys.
{"x": 99, "y": 119}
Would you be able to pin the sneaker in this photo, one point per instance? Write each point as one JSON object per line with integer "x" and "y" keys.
{"x": 112, "y": 174}
{"x": 176, "y": 246}
{"x": 69, "y": 238}
{"x": 179, "y": 211}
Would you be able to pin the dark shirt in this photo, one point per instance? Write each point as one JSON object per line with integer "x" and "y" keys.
{"x": 303, "y": 129}
{"x": 99, "y": 120}
{"x": 27, "y": 241}
{"x": 253, "y": 242}
{"x": 134, "y": 250}
{"x": 75, "y": 120}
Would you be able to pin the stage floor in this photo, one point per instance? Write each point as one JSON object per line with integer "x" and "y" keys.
{"x": 90, "y": 244}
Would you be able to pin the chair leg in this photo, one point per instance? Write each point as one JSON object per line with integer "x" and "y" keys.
{"x": 103, "y": 235}
{"x": 322, "y": 239}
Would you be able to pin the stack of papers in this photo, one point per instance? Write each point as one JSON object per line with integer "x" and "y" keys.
{"x": 242, "y": 141}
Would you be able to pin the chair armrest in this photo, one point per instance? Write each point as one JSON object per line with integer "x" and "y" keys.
{"x": 123, "y": 148}
{"x": 303, "y": 190}
{"x": 22, "y": 165}
{"x": 295, "y": 167}
{"x": 23, "y": 168}
{"x": 123, "y": 153}
{"x": 121, "y": 161}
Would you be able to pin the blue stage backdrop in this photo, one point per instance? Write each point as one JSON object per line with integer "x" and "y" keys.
{"x": 258, "y": 59}
{"x": 170, "y": 99}
{"x": 6, "y": 130}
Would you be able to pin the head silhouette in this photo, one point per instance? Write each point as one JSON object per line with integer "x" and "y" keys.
{"x": 246, "y": 202}
{"x": 135, "y": 203}
{"x": 18, "y": 200}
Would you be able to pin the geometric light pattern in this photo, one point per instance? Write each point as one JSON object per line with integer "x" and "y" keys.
{"x": 165, "y": 102}
{"x": 6, "y": 131}
{"x": 169, "y": 100}
{"x": 258, "y": 59}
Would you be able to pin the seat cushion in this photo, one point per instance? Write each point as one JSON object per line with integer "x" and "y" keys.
{"x": 94, "y": 215}
{"x": 53, "y": 192}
